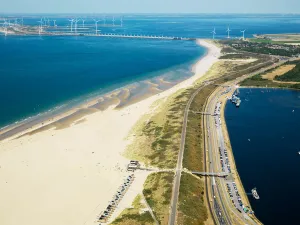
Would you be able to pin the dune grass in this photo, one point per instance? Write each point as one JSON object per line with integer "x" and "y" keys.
{"x": 137, "y": 215}
{"x": 191, "y": 208}
{"x": 157, "y": 140}
{"x": 158, "y": 191}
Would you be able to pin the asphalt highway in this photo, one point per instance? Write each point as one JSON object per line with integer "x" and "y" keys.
{"x": 176, "y": 183}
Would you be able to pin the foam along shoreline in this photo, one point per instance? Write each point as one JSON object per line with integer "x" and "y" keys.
{"x": 120, "y": 97}
{"x": 68, "y": 175}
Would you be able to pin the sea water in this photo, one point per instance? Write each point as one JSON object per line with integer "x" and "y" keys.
{"x": 39, "y": 73}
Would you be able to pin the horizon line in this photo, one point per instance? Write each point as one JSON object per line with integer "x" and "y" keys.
{"x": 159, "y": 13}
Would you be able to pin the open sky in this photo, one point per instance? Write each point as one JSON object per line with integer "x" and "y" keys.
{"x": 150, "y": 6}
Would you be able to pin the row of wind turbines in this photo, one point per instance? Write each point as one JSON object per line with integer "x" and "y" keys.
{"x": 44, "y": 22}
{"x": 228, "y": 33}
{"x": 7, "y": 23}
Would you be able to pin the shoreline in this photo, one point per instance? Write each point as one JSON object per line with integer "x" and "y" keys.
{"x": 281, "y": 88}
{"x": 64, "y": 170}
{"x": 69, "y": 107}
{"x": 238, "y": 180}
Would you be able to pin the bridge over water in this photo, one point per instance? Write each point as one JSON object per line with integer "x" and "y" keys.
{"x": 110, "y": 35}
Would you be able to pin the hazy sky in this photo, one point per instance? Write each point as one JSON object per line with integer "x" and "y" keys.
{"x": 150, "y": 6}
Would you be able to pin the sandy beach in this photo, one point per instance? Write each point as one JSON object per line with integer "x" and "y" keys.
{"x": 68, "y": 175}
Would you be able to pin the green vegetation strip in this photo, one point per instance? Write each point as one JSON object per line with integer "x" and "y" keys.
{"x": 137, "y": 215}
{"x": 158, "y": 140}
{"x": 291, "y": 76}
{"x": 263, "y": 46}
{"x": 158, "y": 191}
{"x": 192, "y": 210}
{"x": 193, "y": 153}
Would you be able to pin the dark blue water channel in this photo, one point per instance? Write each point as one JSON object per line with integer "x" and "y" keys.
{"x": 265, "y": 137}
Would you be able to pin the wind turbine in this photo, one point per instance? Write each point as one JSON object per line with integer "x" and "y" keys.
{"x": 228, "y": 32}
{"x": 5, "y": 27}
{"x": 54, "y": 23}
{"x": 71, "y": 20}
{"x": 83, "y": 22}
{"x": 45, "y": 21}
{"x": 214, "y": 33}
{"x": 76, "y": 21}
{"x": 243, "y": 31}
{"x": 41, "y": 26}
{"x": 96, "y": 24}
{"x": 41, "y": 23}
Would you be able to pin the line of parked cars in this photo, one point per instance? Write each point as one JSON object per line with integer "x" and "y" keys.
{"x": 225, "y": 160}
{"x": 233, "y": 191}
{"x": 106, "y": 214}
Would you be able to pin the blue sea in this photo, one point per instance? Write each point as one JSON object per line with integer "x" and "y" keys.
{"x": 264, "y": 134}
{"x": 38, "y": 74}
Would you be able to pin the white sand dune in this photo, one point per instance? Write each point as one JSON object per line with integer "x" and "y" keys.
{"x": 68, "y": 176}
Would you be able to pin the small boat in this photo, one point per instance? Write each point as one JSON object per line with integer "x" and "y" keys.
{"x": 299, "y": 152}
{"x": 254, "y": 193}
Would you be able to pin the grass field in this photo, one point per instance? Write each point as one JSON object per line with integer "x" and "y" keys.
{"x": 158, "y": 191}
{"x": 191, "y": 209}
{"x": 292, "y": 75}
{"x": 278, "y": 71}
{"x": 285, "y": 76}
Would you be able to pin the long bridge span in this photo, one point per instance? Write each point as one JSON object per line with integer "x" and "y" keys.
{"x": 18, "y": 32}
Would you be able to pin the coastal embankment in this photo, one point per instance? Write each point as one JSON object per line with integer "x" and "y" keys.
{"x": 66, "y": 169}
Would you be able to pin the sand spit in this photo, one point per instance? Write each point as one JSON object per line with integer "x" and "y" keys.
{"x": 68, "y": 175}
